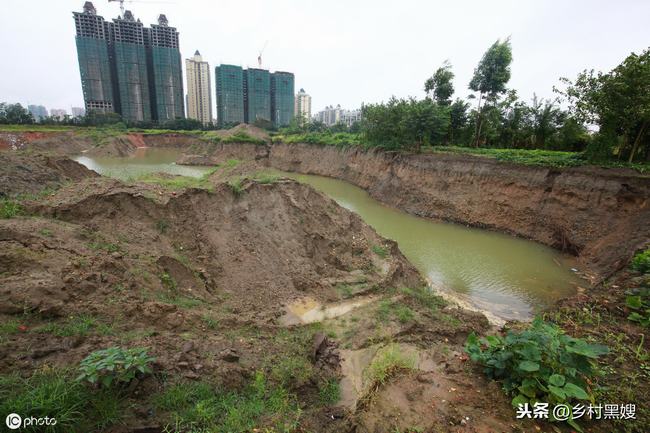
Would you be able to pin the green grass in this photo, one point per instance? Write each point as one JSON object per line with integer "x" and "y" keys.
{"x": 424, "y": 297}
{"x": 329, "y": 392}
{"x": 210, "y": 322}
{"x": 106, "y": 246}
{"x": 266, "y": 178}
{"x": 387, "y": 363}
{"x": 204, "y": 407}
{"x": 9, "y": 327}
{"x": 76, "y": 326}
{"x": 641, "y": 262}
{"x": 242, "y": 137}
{"x": 388, "y": 309}
{"x": 9, "y": 208}
{"x": 176, "y": 183}
{"x": 344, "y": 290}
{"x": 292, "y": 370}
{"x": 237, "y": 187}
{"x": 380, "y": 251}
{"x": 180, "y": 301}
{"x": 76, "y": 407}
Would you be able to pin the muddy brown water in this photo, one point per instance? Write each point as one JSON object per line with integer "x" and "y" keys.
{"x": 509, "y": 277}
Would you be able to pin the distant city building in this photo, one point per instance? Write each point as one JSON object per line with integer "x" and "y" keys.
{"x": 257, "y": 95}
{"x": 302, "y": 105}
{"x": 199, "y": 93}
{"x": 127, "y": 68}
{"x": 78, "y": 111}
{"x": 229, "y": 81}
{"x": 38, "y": 112}
{"x": 333, "y": 115}
{"x": 282, "y": 98}
{"x": 58, "y": 113}
{"x": 253, "y": 95}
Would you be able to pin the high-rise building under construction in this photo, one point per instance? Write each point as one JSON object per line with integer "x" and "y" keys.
{"x": 253, "y": 96}
{"x": 229, "y": 81}
{"x": 129, "y": 69}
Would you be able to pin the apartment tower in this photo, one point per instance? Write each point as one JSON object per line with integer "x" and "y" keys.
{"x": 229, "y": 81}
{"x": 129, "y": 69}
{"x": 282, "y": 98}
{"x": 302, "y": 106}
{"x": 199, "y": 93}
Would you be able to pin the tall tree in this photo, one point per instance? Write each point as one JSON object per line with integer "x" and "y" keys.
{"x": 14, "y": 114}
{"x": 439, "y": 86}
{"x": 490, "y": 78}
{"x": 618, "y": 102}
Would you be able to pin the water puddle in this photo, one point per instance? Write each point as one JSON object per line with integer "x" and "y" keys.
{"x": 308, "y": 310}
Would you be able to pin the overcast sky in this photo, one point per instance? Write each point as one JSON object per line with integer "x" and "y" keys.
{"x": 341, "y": 51}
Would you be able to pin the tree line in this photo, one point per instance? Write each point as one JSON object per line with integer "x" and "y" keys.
{"x": 616, "y": 105}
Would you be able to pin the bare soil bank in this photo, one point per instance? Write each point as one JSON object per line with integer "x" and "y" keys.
{"x": 600, "y": 215}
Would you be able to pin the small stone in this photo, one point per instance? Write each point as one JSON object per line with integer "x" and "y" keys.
{"x": 187, "y": 347}
{"x": 229, "y": 355}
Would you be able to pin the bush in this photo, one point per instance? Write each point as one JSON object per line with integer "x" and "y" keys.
{"x": 641, "y": 262}
{"x": 115, "y": 364}
{"x": 540, "y": 363}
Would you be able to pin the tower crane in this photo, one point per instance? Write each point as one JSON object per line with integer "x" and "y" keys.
{"x": 259, "y": 57}
{"x": 131, "y": 1}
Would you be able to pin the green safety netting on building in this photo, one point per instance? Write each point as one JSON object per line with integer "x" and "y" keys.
{"x": 133, "y": 83}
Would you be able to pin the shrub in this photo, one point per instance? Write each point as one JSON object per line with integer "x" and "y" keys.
{"x": 115, "y": 364}
{"x": 540, "y": 363}
{"x": 641, "y": 262}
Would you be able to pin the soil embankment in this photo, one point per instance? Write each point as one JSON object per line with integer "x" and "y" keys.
{"x": 596, "y": 214}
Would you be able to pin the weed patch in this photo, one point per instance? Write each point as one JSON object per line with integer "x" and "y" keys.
{"x": 9, "y": 209}
{"x": 387, "y": 363}
{"x": 540, "y": 363}
{"x": 204, "y": 407}
{"x": 380, "y": 251}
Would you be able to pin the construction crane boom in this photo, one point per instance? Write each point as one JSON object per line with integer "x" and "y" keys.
{"x": 259, "y": 57}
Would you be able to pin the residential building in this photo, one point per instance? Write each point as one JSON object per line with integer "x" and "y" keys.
{"x": 332, "y": 115}
{"x": 302, "y": 105}
{"x": 254, "y": 95}
{"x": 199, "y": 93}
{"x": 127, "y": 68}
{"x": 58, "y": 113}
{"x": 166, "y": 74}
{"x": 282, "y": 98}
{"x": 94, "y": 64}
{"x": 229, "y": 81}
{"x": 257, "y": 95}
{"x": 38, "y": 111}
{"x": 78, "y": 111}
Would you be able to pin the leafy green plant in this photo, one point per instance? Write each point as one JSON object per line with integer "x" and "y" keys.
{"x": 115, "y": 365}
{"x": 9, "y": 209}
{"x": 639, "y": 301}
{"x": 641, "y": 262}
{"x": 540, "y": 363}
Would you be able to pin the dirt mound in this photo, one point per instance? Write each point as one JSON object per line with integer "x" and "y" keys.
{"x": 22, "y": 173}
{"x": 247, "y": 129}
